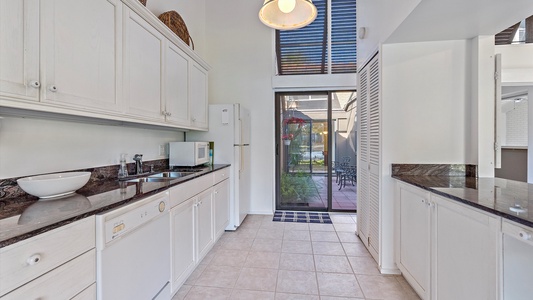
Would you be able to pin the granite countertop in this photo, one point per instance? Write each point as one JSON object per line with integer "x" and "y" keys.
{"x": 25, "y": 217}
{"x": 506, "y": 198}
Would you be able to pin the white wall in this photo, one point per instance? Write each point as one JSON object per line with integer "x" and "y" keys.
{"x": 425, "y": 114}
{"x": 380, "y": 18}
{"x": 192, "y": 12}
{"x": 517, "y": 64}
{"x": 34, "y": 146}
{"x": 240, "y": 52}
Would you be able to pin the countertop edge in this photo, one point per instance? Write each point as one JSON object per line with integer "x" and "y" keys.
{"x": 465, "y": 201}
{"x": 46, "y": 228}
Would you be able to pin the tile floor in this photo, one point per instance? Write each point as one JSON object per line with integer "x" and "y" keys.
{"x": 276, "y": 260}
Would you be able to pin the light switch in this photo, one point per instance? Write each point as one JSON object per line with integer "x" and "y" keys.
{"x": 225, "y": 117}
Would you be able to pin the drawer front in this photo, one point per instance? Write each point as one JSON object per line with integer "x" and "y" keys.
{"x": 220, "y": 175}
{"x": 186, "y": 190}
{"x": 64, "y": 282}
{"x": 29, "y": 259}
{"x": 87, "y": 294}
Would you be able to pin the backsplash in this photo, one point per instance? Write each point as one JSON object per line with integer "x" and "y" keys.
{"x": 10, "y": 189}
{"x": 434, "y": 170}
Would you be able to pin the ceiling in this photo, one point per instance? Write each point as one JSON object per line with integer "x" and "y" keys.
{"x": 435, "y": 20}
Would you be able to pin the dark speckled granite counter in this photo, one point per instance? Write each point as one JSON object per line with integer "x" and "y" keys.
{"x": 506, "y": 198}
{"x": 24, "y": 217}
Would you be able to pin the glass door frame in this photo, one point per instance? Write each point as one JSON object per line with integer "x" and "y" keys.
{"x": 278, "y": 144}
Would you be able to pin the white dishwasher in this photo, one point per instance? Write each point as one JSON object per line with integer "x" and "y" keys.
{"x": 133, "y": 251}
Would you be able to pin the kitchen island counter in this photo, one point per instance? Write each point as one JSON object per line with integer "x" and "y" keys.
{"x": 506, "y": 198}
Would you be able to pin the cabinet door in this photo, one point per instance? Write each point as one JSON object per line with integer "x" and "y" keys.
{"x": 412, "y": 236}
{"x": 143, "y": 50}
{"x": 204, "y": 221}
{"x": 80, "y": 42}
{"x": 198, "y": 97}
{"x": 176, "y": 86}
{"x": 369, "y": 159}
{"x": 19, "y": 49}
{"x": 221, "y": 203}
{"x": 182, "y": 242}
{"x": 464, "y": 248}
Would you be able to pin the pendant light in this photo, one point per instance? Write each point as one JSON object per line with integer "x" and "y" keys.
{"x": 287, "y": 14}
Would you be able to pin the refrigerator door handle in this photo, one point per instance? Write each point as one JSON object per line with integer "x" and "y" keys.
{"x": 242, "y": 163}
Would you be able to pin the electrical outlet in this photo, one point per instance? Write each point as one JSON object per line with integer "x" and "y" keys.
{"x": 162, "y": 150}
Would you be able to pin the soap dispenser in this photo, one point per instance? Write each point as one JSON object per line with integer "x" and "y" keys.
{"x": 123, "y": 168}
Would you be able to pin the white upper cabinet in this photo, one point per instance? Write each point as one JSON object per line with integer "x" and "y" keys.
{"x": 176, "y": 90}
{"x": 109, "y": 59}
{"x": 143, "y": 58}
{"x": 80, "y": 46}
{"x": 19, "y": 49}
{"x": 198, "y": 97}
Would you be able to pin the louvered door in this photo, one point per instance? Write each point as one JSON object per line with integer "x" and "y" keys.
{"x": 374, "y": 154}
{"x": 369, "y": 156}
{"x": 362, "y": 170}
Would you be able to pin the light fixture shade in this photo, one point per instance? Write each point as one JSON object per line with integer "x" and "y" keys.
{"x": 303, "y": 14}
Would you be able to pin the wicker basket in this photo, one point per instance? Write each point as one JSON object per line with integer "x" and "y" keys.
{"x": 143, "y": 2}
{"x": 174, "y": 21}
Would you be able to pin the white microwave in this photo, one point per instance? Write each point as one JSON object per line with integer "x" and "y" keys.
{"x": 188, "y": 154}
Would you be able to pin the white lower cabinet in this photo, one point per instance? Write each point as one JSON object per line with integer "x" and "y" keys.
{"x": 204, "y": 223}
{"x": 413, "y": 237}
{"x": 64, "y": 282}
{"x": 197, "y": 205}
{"x": 182, "y": 232}
{"x": 58, "y": 264}
{"x": 221, "y": 205}
{"x": 446, "y": 250}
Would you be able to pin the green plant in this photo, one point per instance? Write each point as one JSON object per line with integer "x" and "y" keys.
{"x": 296, "y": 187}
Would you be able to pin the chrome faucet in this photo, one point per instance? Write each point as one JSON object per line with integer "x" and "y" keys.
{"x": 138, "y": 158}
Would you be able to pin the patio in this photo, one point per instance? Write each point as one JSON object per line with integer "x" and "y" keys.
{"x": 343, "y": 199}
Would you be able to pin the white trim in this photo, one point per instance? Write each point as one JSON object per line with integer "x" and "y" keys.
{"x": 316, "y": 82}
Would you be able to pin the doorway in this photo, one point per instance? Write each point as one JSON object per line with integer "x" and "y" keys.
{"x": 316, "y": 151}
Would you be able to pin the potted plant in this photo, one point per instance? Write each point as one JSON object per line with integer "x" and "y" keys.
{"x": 287, "y": 138}
{"x": 293, "y": 123}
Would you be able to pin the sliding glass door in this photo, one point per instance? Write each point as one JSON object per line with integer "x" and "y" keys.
{"x": 307, "y": 130}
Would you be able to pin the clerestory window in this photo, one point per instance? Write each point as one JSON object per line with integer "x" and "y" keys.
{"x": 326, "y": 46}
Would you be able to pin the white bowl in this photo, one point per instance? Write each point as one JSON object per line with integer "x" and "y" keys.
{"x": 54, "y": 185}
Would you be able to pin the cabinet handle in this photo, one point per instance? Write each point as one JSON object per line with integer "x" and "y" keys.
{"x": 52, "y": 88}
{"x": 169, "y": 114}
{"x": 524, "y": 235}
{"x": 164, "y": 113}
{"x": 193, "y": 119}
{"x": 36, "y": 84}
{"x": 34, "y": 259}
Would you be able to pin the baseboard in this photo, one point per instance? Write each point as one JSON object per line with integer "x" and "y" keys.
{"x": 394, "y": 271}
{"x": 261, "y": 212}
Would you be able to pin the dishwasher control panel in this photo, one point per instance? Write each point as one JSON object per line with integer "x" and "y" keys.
{"x": 130, "y": 217}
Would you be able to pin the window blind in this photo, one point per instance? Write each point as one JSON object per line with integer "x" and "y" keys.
{"x": 305, "y": 51}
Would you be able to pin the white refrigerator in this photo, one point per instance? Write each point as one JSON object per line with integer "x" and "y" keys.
{"x": 229, "y": 129}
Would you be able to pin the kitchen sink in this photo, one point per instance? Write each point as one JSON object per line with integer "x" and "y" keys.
{"x": 147, "y": 179}
{"x": 170, "y": 175}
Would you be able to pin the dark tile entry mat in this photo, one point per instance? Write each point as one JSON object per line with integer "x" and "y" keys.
{"x": 301, "y": 217}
